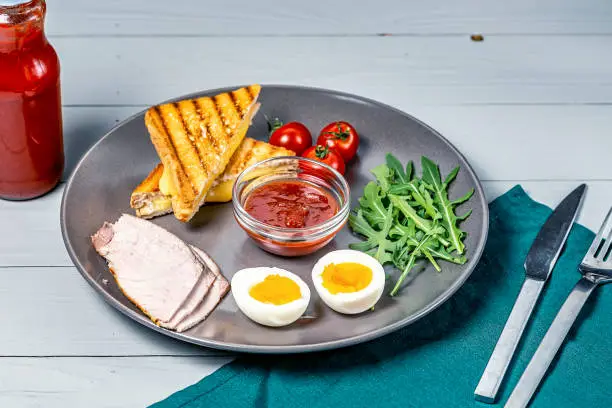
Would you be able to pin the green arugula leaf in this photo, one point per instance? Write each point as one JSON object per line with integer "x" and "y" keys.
{"x": 421, "y": 223}
{"x": 442, "y": 253}
{"x": 399, "y": 189}
{"x": 431, "y": 259}
{"x": 407, "y": 241}
{"x": 431, "y": 175}
{"x": 451, "y": 176}
{"x": 429, "y": 202}
{"x": 463, "y": 199}
{"x": 410, "y": 264}
{"x": 464, "y": 216}
{"x": 405, "y": 219}
{"x": 361, "y": 226}
{"x": 377, "y": 241}
{"x": 384, "y": 245}
{"x": 404, "y": 231}
{"x": 363, "y": 246}
{"x": 397, "y": 168}
{"x": 383, "y": 176}
{"x": 409, "y": 170}
{"x": 372, "y": 205}
{"x": 420, "y": 195}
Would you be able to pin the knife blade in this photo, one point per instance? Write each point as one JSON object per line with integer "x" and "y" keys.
{"x": 539, "y": 264}
{"x": 548, "y": 243}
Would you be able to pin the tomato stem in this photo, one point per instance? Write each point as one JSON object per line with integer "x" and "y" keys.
{"x": 339, "y": 134}
{"x": 273, "y": 124}
{"x": 321, "y": 151}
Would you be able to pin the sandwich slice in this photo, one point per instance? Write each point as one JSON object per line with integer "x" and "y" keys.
{"x": 151, "y": 198}
{"x": 195, "y": 140}
{"x": 147, "y": 198}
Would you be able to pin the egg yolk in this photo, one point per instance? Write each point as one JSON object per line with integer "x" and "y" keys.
{"x": 346, "y": 277}
{"x": 276, "y": 289}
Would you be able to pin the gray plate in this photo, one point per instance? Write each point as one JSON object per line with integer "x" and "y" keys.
{"x": 100, "y": 188}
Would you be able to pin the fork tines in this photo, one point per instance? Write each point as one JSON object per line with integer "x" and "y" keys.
{"x": 600, "y": 248}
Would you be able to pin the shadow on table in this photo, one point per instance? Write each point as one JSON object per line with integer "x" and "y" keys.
{"x": 79, "y": 137}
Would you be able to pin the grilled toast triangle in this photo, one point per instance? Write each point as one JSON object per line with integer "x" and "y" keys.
{"x": 151, "y": 197}
{"x": 195, "y": 140}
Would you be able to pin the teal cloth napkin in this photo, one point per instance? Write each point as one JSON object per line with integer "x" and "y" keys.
{"x": 438, "y": 361}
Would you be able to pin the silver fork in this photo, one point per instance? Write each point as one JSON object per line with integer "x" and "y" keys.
{"x": 596, "y": 269}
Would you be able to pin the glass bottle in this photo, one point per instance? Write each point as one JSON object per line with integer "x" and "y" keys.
{"x": 31, "y": 142}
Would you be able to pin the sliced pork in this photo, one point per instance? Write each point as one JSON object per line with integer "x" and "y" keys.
{"x": 218, "y": 290}
{"x": 194, "y": 299}
{"x": 154, "y": 268}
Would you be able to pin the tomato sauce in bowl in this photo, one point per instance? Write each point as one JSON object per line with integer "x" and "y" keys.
{"x": 291, "y": 204}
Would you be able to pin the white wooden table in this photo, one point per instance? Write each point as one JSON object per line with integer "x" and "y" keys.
{"x": 531, "y": 104}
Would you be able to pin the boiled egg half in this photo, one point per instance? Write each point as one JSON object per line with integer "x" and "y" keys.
{"x": 349, "y": 281}
{"x": 270, "y": 296}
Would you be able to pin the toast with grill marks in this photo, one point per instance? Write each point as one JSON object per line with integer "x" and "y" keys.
{"x": 149, "y": 201}
{"x": 195, "y": 140}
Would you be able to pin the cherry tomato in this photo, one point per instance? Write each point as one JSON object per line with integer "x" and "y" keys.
{"x": 341, "y": 136}
{"x": 326, "y": 155}
{"x": 293, "y": 136}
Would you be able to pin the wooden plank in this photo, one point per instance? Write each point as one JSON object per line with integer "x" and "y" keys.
{"x": 528, "y": 142}
{"x": 414, "y": 71}
{"x": 277, "y": 17}
{"x": 76, "y": 321}
{"x": 35, "y": 237}
{"x": 99, "y": 382}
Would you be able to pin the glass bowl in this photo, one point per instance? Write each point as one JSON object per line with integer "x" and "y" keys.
{"x": 291, "y": 241}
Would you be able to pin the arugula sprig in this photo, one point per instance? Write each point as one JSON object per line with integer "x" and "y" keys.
{"x": 431, "y": 176}
{"x": 405, "y": 219}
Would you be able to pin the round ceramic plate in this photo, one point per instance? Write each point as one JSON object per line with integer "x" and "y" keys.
{"x": 100, "y": 187}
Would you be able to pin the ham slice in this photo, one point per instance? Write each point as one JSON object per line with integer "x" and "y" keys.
{"x": 176, "y": 285}
{"x": 154, "y": 268}
{"x": 217, "y": 291}
{"x": 193, "y": 300}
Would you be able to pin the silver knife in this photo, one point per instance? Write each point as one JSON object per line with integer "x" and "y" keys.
{"x": 539, "y": 264}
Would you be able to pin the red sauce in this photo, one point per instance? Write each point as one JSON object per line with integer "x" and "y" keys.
{"x": 291, "y": 204}
{"x": 31, "y": 146}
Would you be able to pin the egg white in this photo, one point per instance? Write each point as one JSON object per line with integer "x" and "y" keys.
{"x": 354, "y": 302}
{"x": 268, "y": 314}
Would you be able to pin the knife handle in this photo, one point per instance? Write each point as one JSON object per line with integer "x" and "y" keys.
{"x": 552, "y": 341}
{"x": 495, "y": 371}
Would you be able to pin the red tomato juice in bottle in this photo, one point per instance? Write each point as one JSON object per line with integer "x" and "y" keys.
{"x": 31, "y": 143}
